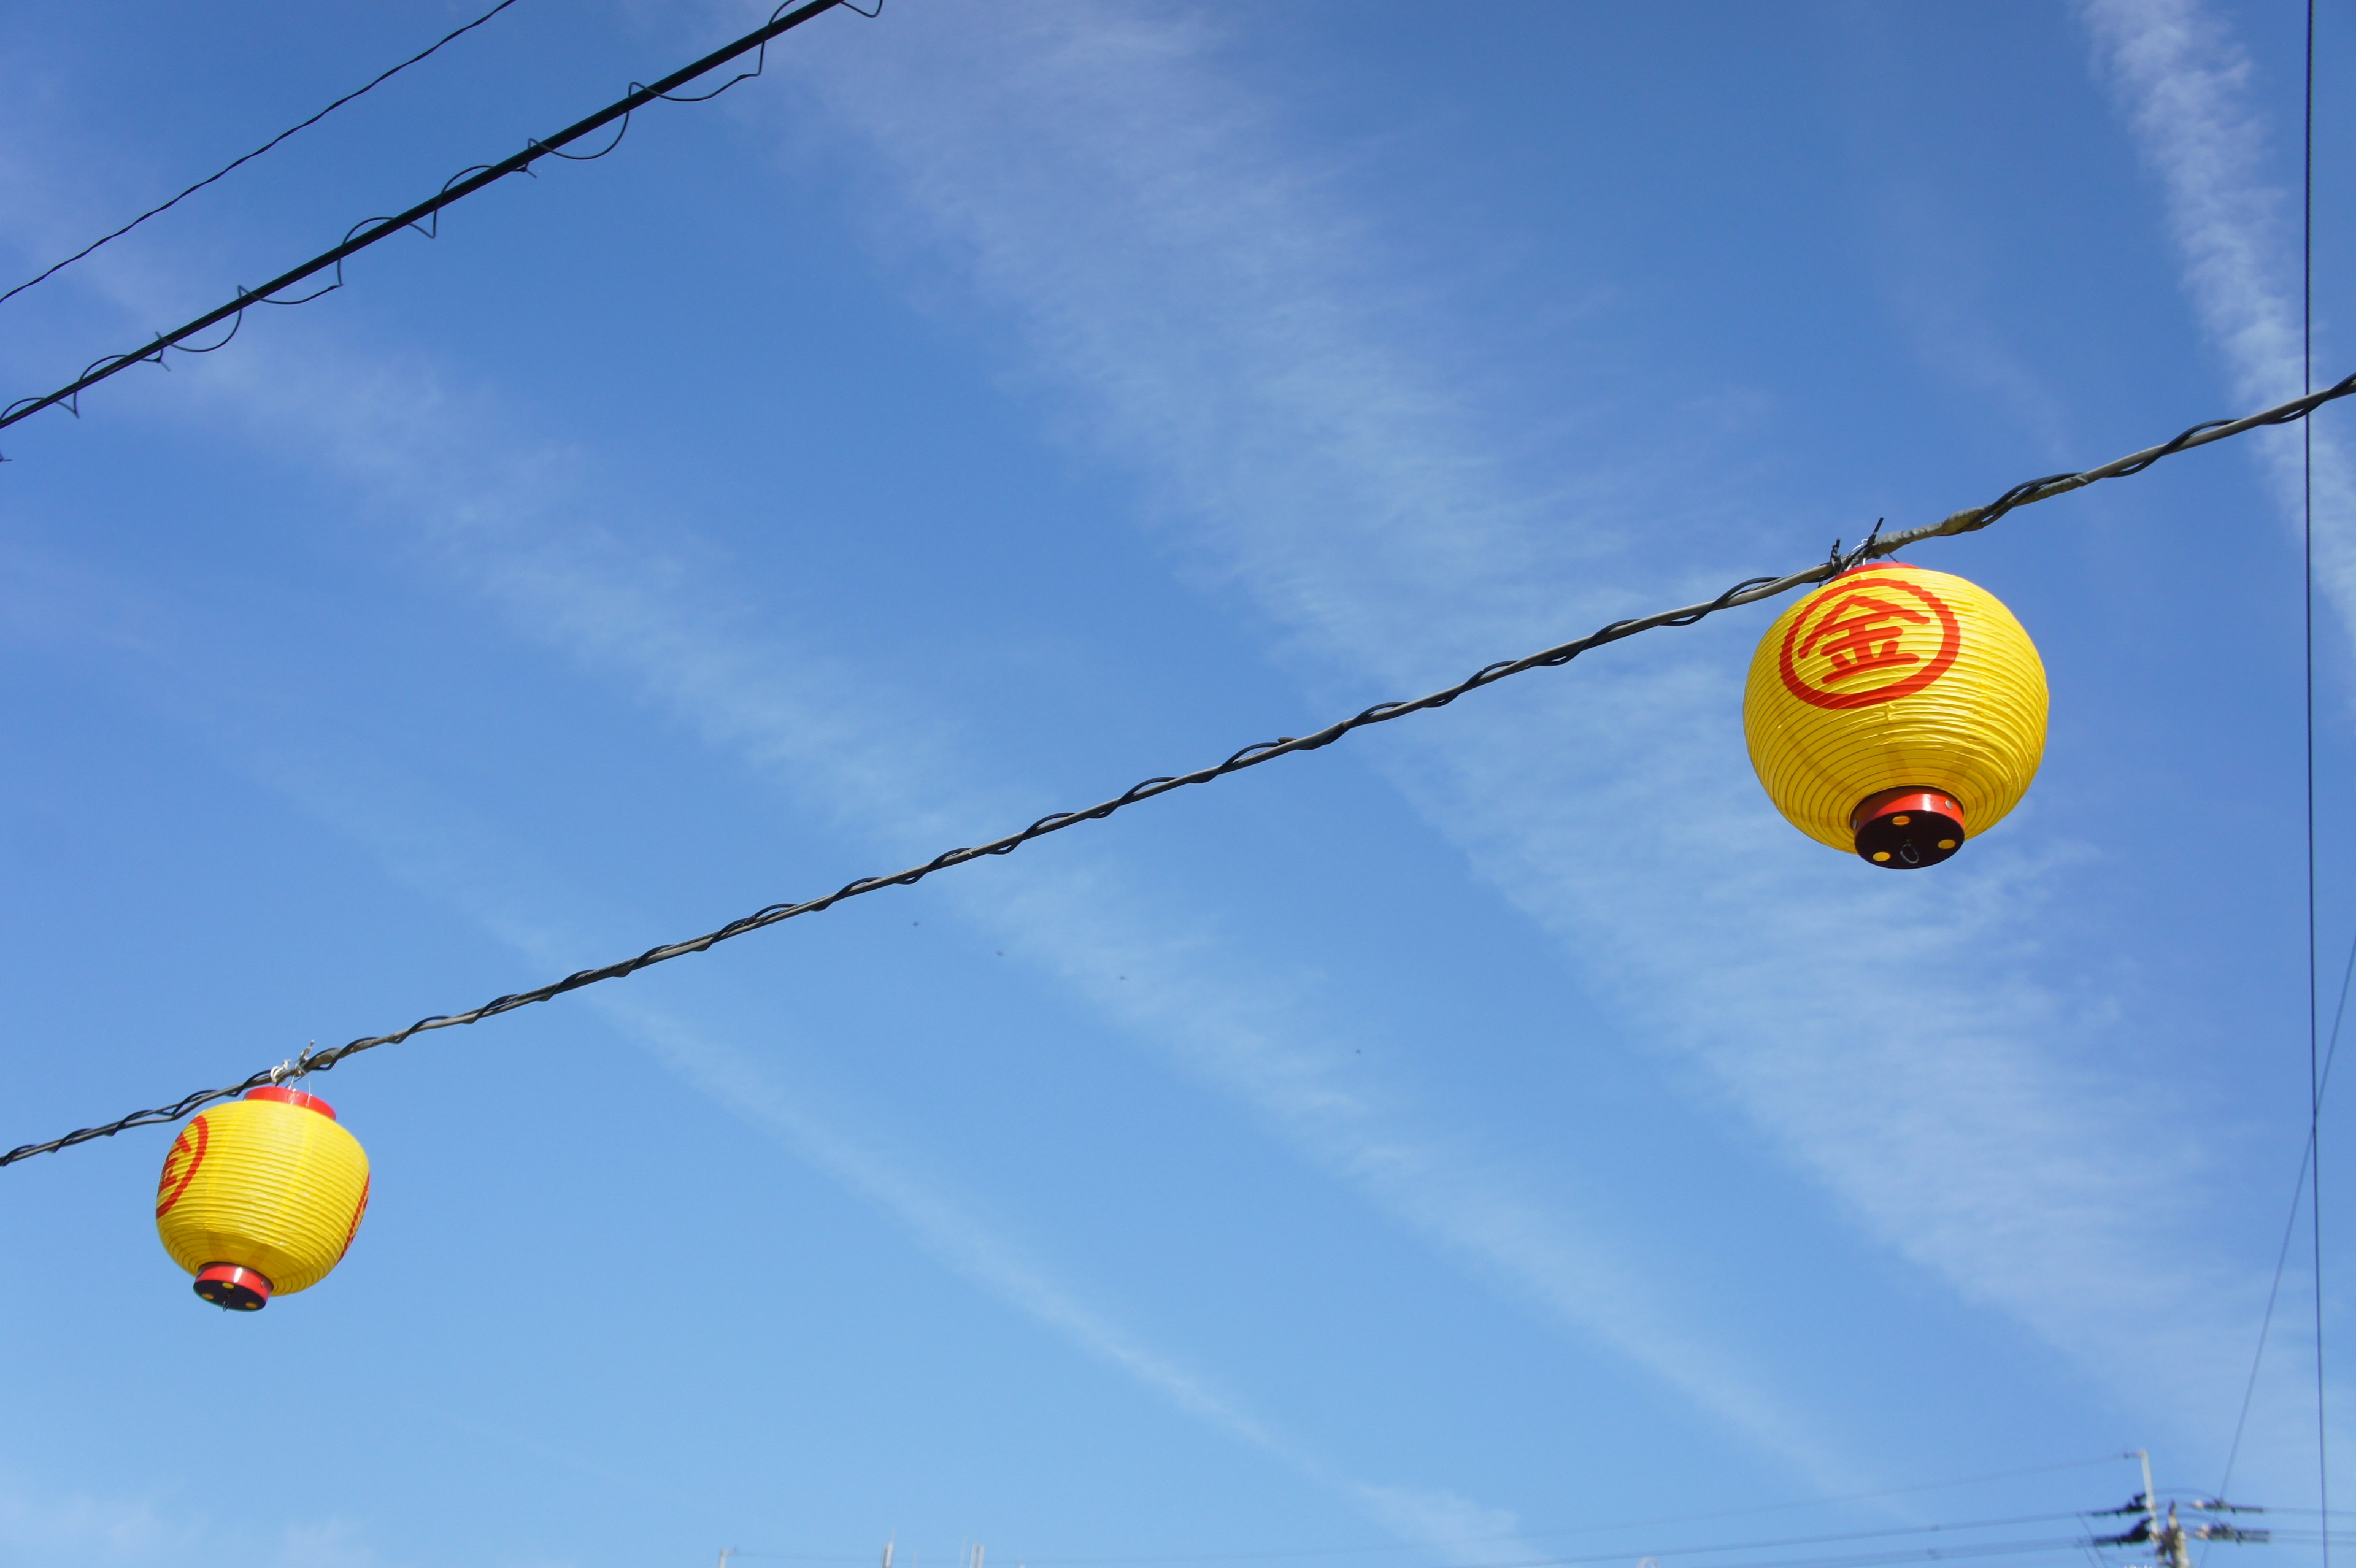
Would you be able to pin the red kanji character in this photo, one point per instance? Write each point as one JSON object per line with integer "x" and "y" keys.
{"x": 1861, "y": 632}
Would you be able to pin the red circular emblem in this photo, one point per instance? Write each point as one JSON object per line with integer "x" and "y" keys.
{"x": 1869, "y": 637}
{"x": 180, "y": 1165}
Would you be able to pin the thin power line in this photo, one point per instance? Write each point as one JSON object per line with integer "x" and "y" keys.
{"x": 1616, "y": 1556}
{"x": 1855, "y": 1497}
{"x": 2307, "y": 597}
{"x": 2318, "y": 1080}
{"x": 460, "y": 186}
{"x": 1748, "y": 592}
{"x": 2290, "y": 1228}
{"x": 1622, "y": 1554}
{"x": 1613, "y": 1556}
{"x": 1265, "y": 1554}
{"x": 380, "y": 79}
{"x": 1960, "y": 1553}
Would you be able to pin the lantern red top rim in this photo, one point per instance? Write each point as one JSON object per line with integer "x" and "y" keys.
{"x": 287, "y": 1096}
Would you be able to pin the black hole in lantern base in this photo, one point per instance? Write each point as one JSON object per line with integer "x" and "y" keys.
{"x": 1907, "y": 829}
{"x": 233, "y": 1289}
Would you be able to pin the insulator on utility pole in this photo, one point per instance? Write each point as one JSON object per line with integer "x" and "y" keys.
{"x": 2168, "y": 1538}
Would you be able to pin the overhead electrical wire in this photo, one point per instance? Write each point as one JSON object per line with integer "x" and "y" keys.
{"x": 1750, "y": 591}
{"x": 2319, "y": 1076}
{"x": 2306, "y": 606}
{"x": 1835, "y": 1498}
{"x": 1265, "y": 1554}
{"x": 1617, "y": 1555}
{"x": 2290, "y": 1227}
{"x": 379, "y": 80}
{"x": 1718, "y": 1547}
{"x": 1854, "y": 1560}
{"x": 1961, "y": 1551}
{"x": 1959, "y": 1554}
{"x": 1605, "y": 1529}
{"x": 457, "y": 188}
{"x": 1613, "y": 1556}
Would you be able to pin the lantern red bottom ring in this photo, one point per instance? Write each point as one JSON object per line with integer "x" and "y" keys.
{"x": 233, "y": 1289}
{"x": 1908, "y": 829}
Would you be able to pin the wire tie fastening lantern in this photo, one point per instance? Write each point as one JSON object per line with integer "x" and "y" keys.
{"x": 295, "y": 1066}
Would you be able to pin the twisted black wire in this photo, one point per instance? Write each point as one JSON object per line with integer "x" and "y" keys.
{"x": 1749, "y": 591}
{"x": 460, "y": 186}
{"x": 379, "y": 80}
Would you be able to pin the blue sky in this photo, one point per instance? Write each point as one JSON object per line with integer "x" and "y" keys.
{"x": 1435, "y": 1150}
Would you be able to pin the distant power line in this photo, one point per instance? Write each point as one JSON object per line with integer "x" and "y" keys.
{"x": 1959, "y": 1551}
{"x": 1550, "y": 1533}
{"x": 459, "y": 187}
{"x": 382, "y": 78}
{"x": 1748, "y": 592}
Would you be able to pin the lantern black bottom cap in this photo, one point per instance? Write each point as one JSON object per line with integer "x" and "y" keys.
{"x": 1905, "y": 831}
{"x": 233, "y": 1289}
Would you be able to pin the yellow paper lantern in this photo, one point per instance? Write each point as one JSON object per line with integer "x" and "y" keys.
{"x": 1894, "y": 713}
{"x": 261, "y": 1197}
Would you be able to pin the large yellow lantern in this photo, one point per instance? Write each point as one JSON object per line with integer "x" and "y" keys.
{"x": 261, "y": 1197}
{"x": 1895, "y": 713}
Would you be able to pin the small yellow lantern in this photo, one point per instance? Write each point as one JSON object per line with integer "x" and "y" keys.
{"x": 261, "y": 1197}
{"x": 1894, "y": 713}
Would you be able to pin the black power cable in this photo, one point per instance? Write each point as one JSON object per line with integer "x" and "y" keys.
{"x": 1554, "y": 1531}
{"x": 2307, "y": 606}
{"x": 379, "y": 80}
{"x": 464, "y": 184}
{"x": 2290, "y": 1228}
{"x": 1617, "y": 1555}
{"x": 1614, "y": 1527}
{"x": 1750, "y": 591}
{"x": 1856, "y": 1559}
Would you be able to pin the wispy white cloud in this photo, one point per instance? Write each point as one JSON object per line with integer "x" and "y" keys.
{"x": 2185, "y": 84}
{"x": 1223, "y": 321}
{"x": 951, "y": 1232}
{"x": 969, "y": 1244}
{"x": 501, "y": 515}
{"x": 424, "y": 843}
{"x": 679, "y": 641}
{"x": 2183, "y": 80}
{"x": 1220, "y": 1012}
{"x": 39, "y": 1528}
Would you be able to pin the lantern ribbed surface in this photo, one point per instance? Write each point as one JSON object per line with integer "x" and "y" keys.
{"x": 271, "y": 1183}
{"x": 1890, "y": 677}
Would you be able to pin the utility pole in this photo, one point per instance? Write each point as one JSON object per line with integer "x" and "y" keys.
{"x": 2169, "y": 1541}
